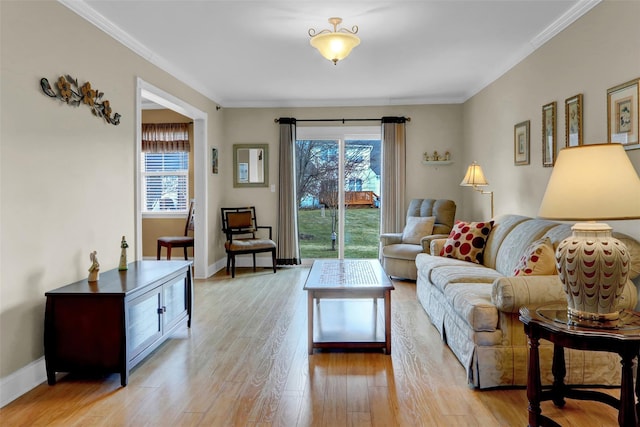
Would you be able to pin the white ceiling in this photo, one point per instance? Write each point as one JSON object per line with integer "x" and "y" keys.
{"x": 256, "y": 53}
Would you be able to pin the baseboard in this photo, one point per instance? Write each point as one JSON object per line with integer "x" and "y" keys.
{"x": 22, "y": 381}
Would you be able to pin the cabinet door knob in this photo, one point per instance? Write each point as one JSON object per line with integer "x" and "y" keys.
{"x": 162, "y": 309}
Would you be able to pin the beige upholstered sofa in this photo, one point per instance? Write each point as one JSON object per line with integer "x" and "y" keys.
{"x": 398, "y": 252}
{"x": 475, "y": 306}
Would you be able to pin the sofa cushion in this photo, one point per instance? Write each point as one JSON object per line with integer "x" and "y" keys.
{"x": 466, "y": 241}
{"x": 516, "y": 242}
{"x": 417, "y": 227}
{"x": 502, "y": 226}
{"x": 538, "y": 260}
{"x": 472, "y": 302}
{"x": 633, "y": 246}
{"x": 441, "y": 277}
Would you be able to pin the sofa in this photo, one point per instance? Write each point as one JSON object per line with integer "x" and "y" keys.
{"x": 474, "y": 304}
{"x": 398, "y": 250}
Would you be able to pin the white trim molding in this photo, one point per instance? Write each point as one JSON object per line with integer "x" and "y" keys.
{"x": 21, "y": 381}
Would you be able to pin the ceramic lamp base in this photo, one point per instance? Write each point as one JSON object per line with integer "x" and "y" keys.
{"x": 577, "y": 316}
{"x": 593, "y": 267}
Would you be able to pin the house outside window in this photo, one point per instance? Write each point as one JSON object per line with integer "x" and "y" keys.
{"x": 165, "y": 182}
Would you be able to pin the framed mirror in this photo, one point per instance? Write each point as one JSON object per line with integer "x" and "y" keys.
{"x": 250, "y": 165}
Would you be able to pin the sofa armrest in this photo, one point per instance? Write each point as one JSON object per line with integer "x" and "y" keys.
{"x": 508, "y": 294}
{"x": 436, "y": 245}
{"x": 426, "y": 242}
{"x": 390, "y": 238}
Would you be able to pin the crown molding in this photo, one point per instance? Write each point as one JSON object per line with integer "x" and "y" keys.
{"x": 352, "y": 102}
{"x": 86, "y": 12}
{"x": 566, "y": 19}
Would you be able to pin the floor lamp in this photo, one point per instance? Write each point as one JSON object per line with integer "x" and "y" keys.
{"x": 475, "y": 178}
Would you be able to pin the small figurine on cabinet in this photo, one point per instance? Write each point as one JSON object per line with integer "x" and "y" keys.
{"x": 447, "y": 156}
{"x": 94, "y": 270}
{"x": 123, "y": 255}
{"x": 436, "y": 157}
{"x": 425, "y": 156}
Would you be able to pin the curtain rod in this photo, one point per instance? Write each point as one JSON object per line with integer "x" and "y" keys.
{"x": 341, "y": 120}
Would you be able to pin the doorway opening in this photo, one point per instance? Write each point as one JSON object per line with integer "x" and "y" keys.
{"x": 338, "y": 191}
{"x": 146, "y": 93}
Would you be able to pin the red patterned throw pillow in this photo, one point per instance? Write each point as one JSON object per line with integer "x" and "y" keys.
{"x": 538, "y": 260}
{"x": 467, "y": 240}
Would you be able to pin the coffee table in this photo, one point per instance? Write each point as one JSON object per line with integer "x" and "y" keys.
{"x": 342, "y": 303}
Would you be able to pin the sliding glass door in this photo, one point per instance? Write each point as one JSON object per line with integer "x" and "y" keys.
{"x": 338, "y": 189}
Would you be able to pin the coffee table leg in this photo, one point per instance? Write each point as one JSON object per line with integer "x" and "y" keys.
{"x": 387, "y": 320}
{"x": 310, "y": 322}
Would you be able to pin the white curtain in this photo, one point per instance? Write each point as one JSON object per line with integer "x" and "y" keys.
{"x": 393, "y": 180}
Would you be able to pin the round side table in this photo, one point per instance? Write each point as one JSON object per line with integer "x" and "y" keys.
{"x": 551, "y": 322}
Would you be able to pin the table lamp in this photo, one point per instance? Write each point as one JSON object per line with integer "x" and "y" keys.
{"x": 589, "y": 183}
{"x": 475, "y": 178}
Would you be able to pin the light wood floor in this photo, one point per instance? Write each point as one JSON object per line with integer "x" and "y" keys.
{"x": 245, "y": 363}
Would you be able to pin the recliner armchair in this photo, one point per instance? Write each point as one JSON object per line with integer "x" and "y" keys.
{"x": 398, "y": 251}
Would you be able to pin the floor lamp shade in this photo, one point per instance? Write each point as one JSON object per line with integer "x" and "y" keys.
{"x": 589, "y": 183}
{"x": 475, "y": 178}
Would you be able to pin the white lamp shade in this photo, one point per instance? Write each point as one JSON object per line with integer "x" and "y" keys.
{"x": 474, "y": 177}
{"x": 335, "y": 46}
{"x": 592, "y": 182}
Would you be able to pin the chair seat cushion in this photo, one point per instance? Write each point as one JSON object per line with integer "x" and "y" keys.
{"x": 176, "y": 240}
{"x": 249, "y": 245}
{"x": 401, "y": 251}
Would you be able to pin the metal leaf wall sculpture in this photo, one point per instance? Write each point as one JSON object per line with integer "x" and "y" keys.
{"x": 69, "y": 91}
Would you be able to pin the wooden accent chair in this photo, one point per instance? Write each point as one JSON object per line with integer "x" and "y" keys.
{"x": 185, "y": 241}
{"x": 240, "y": 226}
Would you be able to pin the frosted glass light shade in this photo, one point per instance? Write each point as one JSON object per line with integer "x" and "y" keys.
{"x": 335, "y": 46}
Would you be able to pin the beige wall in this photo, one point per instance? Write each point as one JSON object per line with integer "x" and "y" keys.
{"x": 599, "y": 51}
{"x": 66, "y": 178}
{"x": 154, "y": 227}
{"x": 432, "y": 127}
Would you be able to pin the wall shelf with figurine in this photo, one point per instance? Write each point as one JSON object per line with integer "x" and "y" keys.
{"x": 437, "y": 162}
{"x": 436, "y": 159}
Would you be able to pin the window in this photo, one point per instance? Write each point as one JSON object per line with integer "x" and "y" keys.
{"x": 165, "y": 182}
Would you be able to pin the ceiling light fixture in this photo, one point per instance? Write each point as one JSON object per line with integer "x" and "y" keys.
{"x": 337, "y": 44}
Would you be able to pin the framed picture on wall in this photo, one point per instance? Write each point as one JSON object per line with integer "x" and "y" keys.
{"x": 214, "y": 160}
{"x": 573, "y": 121}
{"x": 521, "y": 143}
{"x": 622, "y": 114}
{"x": 549, "y": 134}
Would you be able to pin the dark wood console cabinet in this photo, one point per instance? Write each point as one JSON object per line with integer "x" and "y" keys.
{"x": 110, "y": 326}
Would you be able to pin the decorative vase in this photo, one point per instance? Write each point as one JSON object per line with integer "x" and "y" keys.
{"x": 593, "y": 267}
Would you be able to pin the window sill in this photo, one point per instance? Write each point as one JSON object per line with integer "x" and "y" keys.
{"x": 165, "y": 215}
